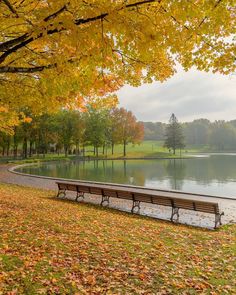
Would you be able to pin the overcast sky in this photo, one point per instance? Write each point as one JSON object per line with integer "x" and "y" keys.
{"x": 189, "y": 96}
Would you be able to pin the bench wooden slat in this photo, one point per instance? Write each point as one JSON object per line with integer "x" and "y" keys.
{"x": 96, "y": 191}
{"x": 125, "y": 195}
{"x": 189, "y": 205}
{"x": 110, "y": 193}
{"x": 142, "y": 198}
{"x": 62, "y": 186}
{"x": 71, "y": 187}
{"x": 83, "y": 189}
{"x": 162, "y": 201}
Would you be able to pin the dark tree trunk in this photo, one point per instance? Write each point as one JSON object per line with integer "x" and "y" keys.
{"x": 97, "y": 151}
{"x": 8, "y": 147}
{"x": 124, "y": 149}
{"x": 66, "y": 151}
{"x": 25, "y": 147}
{"x": 30, "y": 148}
{"x": 77, "y": 149}
{"x": 103, "y": 149}
{"x": 112, "y": 148}
{"x": 83, "y": 150}
{"x": 15, "y": 151}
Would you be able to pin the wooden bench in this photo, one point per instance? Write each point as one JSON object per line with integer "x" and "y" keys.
{"x": 137, "y": 196}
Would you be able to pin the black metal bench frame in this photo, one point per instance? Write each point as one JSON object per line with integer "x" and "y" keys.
{"x": 137, "y": 198}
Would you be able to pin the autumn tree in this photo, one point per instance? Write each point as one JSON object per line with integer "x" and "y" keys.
{"x": 58, "y": 53}
{"x": 174, "y": 135}
{"x": 128, "y": 130}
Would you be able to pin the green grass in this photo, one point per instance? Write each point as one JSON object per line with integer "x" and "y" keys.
{"x": 47, "y": 157}
{"x": 51, "y": 246}
{"x": 146, "y": 149}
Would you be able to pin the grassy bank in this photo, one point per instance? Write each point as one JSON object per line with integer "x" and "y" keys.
{"x": 50, "y": 246}
{"x": 147, "y": 149}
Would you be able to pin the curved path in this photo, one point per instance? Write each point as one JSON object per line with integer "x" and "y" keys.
{"x": 194, "y": 218}
{"x": 9, "y": 177}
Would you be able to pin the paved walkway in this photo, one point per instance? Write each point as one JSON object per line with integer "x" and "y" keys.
{"x": 9, "y": 177}
{"x": 194, "y": 218}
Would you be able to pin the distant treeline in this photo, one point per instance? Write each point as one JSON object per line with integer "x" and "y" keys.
{"x": 218, "y": 135}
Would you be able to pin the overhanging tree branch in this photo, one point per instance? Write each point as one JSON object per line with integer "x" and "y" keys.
{"x": 19, "y": 42}
{"x": 11, "y": 8}
{"x": 28, "y": 70}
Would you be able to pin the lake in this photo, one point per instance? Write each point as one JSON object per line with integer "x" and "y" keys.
{"x": 213, "y": 174}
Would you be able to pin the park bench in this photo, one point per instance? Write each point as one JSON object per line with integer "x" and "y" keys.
{"x": 137, "y": 196}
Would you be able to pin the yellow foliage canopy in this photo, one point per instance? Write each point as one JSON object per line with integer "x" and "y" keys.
{"x": 55, "y": 53}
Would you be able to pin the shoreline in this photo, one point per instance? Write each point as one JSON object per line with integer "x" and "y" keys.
{"x": 54, "y": 179}
{"x": 195, "y": 219}
{"x": 228, "y": 205}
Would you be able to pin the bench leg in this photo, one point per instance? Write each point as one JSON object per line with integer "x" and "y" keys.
{"x": 218, "y": 221}
{"x": 175, "y": 211}
{"x": 136, "y": 204}
{"x": 105, "y": 201}
{"x": 79, "y": 195}
{"x": 61, "y": 192}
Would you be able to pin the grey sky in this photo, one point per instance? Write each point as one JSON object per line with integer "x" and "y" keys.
{"x": 189, "y": 95}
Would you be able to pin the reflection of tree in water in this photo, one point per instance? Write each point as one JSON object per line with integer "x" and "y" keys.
{"x": 220, "y": 168}
{"x": 176, "y": 170}
{"x": 117, "y": 171}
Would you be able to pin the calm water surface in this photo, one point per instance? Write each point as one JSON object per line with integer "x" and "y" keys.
{"x": 215, "y": 175}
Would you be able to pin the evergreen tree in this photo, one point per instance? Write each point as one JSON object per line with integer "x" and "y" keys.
{"x": 174, "y": 135}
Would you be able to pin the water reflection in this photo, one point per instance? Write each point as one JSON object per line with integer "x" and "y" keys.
{"x": 176, "y": 169}
{"x": 213, "y": 175}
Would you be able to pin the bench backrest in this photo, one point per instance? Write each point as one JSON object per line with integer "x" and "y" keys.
{"x": 207, "y": 207}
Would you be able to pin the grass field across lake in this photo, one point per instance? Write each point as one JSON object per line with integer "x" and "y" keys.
{"x": 51, "y": 246}
{"x": 146, "y": 149}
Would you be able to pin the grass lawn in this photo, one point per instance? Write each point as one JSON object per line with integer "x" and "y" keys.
{"x": 147, "y": 149}
{"x": 50, "y": 246}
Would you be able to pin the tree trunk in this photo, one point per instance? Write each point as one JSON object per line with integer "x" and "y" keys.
{"x": 77, "y": 149}
{"x": 66, "y": 151}
{"x": 30, "y": 148}
{"x": 124, "y": 153}
{"x": 103, "y": 149}
{"x": 97, "y": 151}
{"x": 25, "y": 148}
{"x": 112, "y": 148}
{"x": 15, "y": 149}
{"x": 8, "y": 147}
{"x": 83, "y": 150}
{"x": 15, "y": 145}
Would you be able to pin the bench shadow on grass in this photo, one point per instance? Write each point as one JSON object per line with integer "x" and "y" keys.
{"x": 116, "y": 211}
